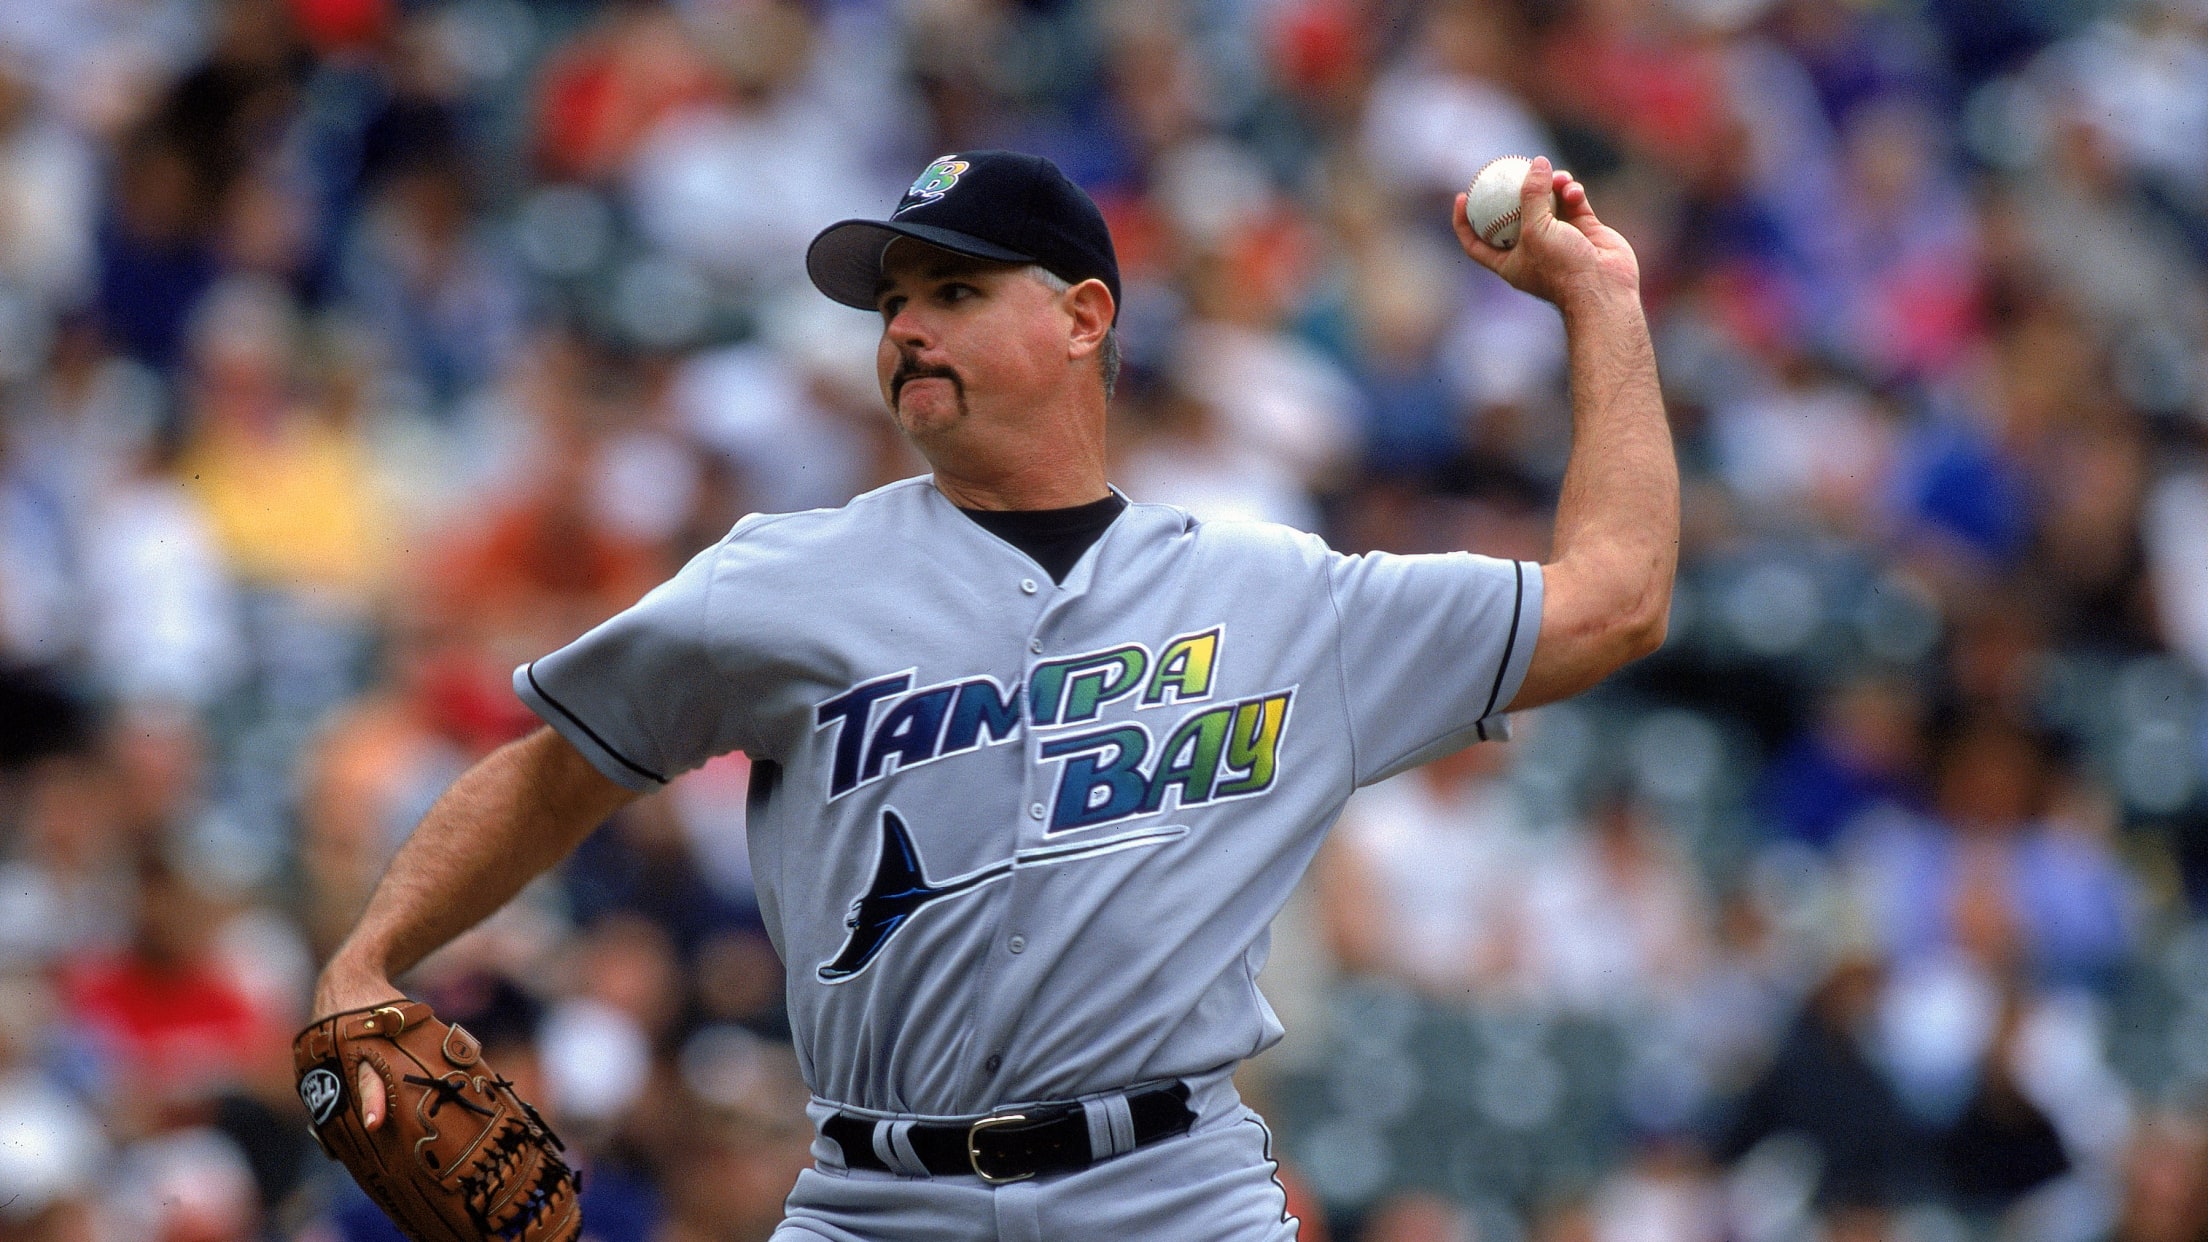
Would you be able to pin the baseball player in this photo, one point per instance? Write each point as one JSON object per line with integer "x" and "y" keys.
{"x": 1035, "y": 763}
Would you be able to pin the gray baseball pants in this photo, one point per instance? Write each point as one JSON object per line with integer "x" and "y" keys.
{"x": 1213, "y": 1184}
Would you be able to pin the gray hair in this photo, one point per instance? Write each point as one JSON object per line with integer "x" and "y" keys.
{"x": 1107, "y": 357}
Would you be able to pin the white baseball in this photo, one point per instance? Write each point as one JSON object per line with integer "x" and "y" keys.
{"x": 1491, "y": 201}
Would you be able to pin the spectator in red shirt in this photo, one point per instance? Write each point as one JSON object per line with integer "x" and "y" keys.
{"x": 169, "y": 1020}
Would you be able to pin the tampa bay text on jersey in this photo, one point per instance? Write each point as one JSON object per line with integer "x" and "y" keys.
{"x": 1106, "y": 774}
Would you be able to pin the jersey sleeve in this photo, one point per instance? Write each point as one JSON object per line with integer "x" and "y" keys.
{"x": 645, "y": 696}
{"x": 1433, "y": 648}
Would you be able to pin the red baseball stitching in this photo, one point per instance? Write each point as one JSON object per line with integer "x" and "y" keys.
{"x": 1487, "y": 234}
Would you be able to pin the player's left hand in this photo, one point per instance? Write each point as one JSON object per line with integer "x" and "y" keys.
{"x": 1563, "y": 253}
{"x": 459, "y": 1156}
{"x": 346, "y": 985}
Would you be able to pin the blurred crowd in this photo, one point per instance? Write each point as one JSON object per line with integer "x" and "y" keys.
{"x": 354, "y": 351}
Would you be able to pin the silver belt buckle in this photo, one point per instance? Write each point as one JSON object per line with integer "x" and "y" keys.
{"x": 973, "y": 1147}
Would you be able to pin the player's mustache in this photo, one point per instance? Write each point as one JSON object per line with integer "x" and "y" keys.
{"x": 910, "y": 368}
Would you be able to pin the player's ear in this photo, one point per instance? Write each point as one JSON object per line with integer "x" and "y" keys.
{"x": 1090, "y": 305}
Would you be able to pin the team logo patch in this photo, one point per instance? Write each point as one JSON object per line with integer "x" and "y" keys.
{"x": 901, "y": 887}
{"x": 320, "y": 1090}
{"x": 934, "y": 183}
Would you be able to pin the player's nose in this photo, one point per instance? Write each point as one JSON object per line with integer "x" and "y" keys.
{"x": 909, "y": 328}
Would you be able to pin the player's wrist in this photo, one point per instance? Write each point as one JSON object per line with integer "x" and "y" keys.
{"x": 1599, "y": 293}
{"x": 353, "y": 979}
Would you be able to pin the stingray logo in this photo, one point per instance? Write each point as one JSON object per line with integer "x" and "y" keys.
{"x": 319, "y": 1090}
{"x": 934, "y": 183}
{"x": 901, "y": 887}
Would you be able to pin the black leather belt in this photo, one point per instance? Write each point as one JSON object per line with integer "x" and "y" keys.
{"x": 1015, "y": 1144}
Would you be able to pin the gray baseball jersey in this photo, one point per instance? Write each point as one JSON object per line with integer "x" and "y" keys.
{"x": 1018, "y": 840}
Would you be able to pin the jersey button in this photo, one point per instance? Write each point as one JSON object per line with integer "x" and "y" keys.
{"x": 1034, "y": 810}
{"x": 1018, "y": 944}
{"x": 994, "y": 1063}
{"x": 1035, "y": 645}
{"x": 1027, "y": 586}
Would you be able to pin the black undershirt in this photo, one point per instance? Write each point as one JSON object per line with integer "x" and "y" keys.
{"x": 1055, "y": 538}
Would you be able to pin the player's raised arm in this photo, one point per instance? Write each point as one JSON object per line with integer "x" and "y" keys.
{"x": 503, "y": 823}
{"x": 1607, "y": 584}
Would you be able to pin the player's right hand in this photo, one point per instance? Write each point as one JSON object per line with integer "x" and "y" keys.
{"x": 1563, "y": 253}
{"x": 344, "y": 987}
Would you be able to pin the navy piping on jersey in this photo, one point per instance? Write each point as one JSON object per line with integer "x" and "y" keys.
{"x": 639, "y": 769}
{"x": 1286, "y": 1218}
{"x": 1510, "y": 644}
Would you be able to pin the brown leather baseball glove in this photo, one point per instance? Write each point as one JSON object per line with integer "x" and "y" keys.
{"x": 459, "y": 1157}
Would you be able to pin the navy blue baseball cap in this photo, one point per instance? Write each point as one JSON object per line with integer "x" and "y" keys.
{"x": 999, "y": 205}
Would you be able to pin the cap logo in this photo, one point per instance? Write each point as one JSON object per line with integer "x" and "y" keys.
{"x": 934, "y": 183}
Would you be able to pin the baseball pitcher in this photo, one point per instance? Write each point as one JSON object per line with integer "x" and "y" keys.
{"x": 1035, "y": 763}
